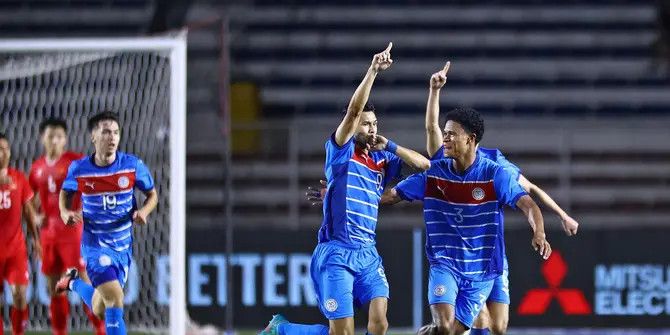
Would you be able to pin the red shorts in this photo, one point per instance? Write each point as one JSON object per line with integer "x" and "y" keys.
{"x": 14, "y": 268}
{"x": 58, "y": 257}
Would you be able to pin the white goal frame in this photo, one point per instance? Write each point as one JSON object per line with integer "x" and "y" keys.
{"x": 176, "y": 46}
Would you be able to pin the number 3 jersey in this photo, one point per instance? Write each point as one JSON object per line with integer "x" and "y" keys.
{"x": 46, "y": 178}
{"x": 108, "y": 199}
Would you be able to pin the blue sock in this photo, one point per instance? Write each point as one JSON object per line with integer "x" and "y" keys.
{"x": 84, "y": 290}
{"x": 298, "y": 329}
{"x": 114, "y": 324}
{"x": 478, "y": 331}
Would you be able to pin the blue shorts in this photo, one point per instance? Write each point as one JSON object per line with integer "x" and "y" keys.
{"x": 345, "y": 276}
{"x": 466, "y": 296}
{"x": 104, "y": 265}
{"x": 500, "y": 290}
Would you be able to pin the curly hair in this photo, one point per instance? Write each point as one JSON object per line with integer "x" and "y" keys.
{"x": 469, "y": 119}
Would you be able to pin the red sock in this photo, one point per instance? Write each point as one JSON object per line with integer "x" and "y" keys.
{"x": 59, "y": 311}
{"x": 98, "y": 325}
{"x": 2, "y": 325}
{"x": 19, "y": 320}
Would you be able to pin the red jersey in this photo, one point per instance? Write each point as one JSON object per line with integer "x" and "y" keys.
{"x": 12, "y": 198}
{"x": 46, "y": 178}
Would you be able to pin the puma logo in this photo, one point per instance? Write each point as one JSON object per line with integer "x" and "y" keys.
{"x": 113, "y": 325}
{"x": 442, "y": 190}
{"x": 90, "y": 185}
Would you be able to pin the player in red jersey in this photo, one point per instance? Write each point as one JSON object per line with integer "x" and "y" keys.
{"x": 15, "y": 196}
{"x": 60, "y": 242}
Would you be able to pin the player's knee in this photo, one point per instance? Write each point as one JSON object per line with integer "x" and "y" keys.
{"x": 378, "y": 326}
{"x": 444, "y": 326}
{"x": 112, "y": 298}
{"x": 499, "y": 327}
{"x": 19, "y": 296}
{"x": 341, "y": 331}
{"x": 483, "y": 320}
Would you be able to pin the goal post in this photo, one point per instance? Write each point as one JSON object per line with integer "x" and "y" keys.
{"x": 56, "y": 77}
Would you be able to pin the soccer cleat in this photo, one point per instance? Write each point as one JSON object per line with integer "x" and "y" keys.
{"x": 271, "y": 328}
{"x": 63, "y": 283}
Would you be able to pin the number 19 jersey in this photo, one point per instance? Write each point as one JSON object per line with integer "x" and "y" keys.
{"x": 108, "y": 199}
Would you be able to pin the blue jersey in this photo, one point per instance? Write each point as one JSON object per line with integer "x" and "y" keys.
{"x": 463, "y": 214}
{"x": 356, "y": 182}
{"x": 498, "y": 157}
{"x": 108, "y": 199}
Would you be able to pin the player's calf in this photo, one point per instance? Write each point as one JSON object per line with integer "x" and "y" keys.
{"x": 112, "y": 297}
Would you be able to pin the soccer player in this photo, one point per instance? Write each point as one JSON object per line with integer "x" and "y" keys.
{"x": 106, "y": 180}
{"x": 346, "y": 268}
{"x": 60, "y": 243}
{"x": 495, "y": 314}
{"x": 15, "y": 196}
{"x": 463, "y": 197}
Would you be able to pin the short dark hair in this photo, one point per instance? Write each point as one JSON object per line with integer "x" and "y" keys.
{"x": 52, "y": 122}
{"x": 102, "y": 116}
{"x": 369, "y": 107}
{"x": 469, "y": 119}
{"x": 3, "y": 137}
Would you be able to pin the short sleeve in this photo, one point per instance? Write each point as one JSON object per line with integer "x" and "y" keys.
{"x": 70, "y": 182}
{"x": 507, "y": 165}
{"x": 26, "y": 192}
{"x": 143, "y": 179}
{"x": 336, "y": 154}
{"x": 413, "y": 187}
{"x": 507, "y": 187}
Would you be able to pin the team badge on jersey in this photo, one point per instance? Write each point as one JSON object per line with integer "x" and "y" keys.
{"x": 440, "y": 290}
{"x": 123, "y": 182}
{"x": 105, "y": 260}
{"x": 331, "y": 305}
{"x": 478, "y": 193}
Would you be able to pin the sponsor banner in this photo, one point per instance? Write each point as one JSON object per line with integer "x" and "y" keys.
{"x": 604, "y": 278}
{"x": 271, "y": 275}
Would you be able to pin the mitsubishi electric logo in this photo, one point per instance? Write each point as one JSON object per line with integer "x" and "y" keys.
{"x": 537, "y": 300}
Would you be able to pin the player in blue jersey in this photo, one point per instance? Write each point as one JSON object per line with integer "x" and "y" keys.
{"x": 495, "y": 314}
{"x": 346, "y": 269}
{"x": 106, "y": 180}
{"x": 464, "y": 195}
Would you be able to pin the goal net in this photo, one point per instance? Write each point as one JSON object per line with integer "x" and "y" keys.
{"x": 143, "y": 80}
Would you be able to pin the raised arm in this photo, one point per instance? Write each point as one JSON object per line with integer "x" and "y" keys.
{"x": 433, "y": 131}
{"x": 569, "y": 224}
{"x": 347, "y": 127}
{"x": 534, "y": 216}
{"x": 408, "y": 156}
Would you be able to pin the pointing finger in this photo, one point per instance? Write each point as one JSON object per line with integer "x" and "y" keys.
{"x": 446, "y": 67}
{"x": 388, "y": 48}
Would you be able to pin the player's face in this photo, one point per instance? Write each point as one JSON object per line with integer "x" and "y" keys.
{"x": 5, "y": 153}
{"x": 106, "y": 137}
{"x": 54, "y": 139}
{"x": 367, "y": 129}
{"x": 456, "y": 140}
